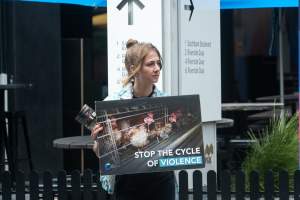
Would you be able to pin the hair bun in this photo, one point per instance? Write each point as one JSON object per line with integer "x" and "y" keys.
{"x": 130, "y": 43}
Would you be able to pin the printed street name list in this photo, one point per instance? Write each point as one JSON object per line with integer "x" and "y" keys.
{"x": 195, "y": 56}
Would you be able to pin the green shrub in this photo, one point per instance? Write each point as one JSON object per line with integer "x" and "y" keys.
{"x": 276, "y": 149}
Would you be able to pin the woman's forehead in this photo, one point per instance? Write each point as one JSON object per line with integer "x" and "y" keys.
{"x": 152, "y": 54}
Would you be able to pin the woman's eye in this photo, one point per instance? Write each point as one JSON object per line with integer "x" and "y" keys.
{"x": 152, "y": 63}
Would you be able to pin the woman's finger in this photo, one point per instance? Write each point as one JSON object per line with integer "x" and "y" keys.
{"x": 96, "y": 130}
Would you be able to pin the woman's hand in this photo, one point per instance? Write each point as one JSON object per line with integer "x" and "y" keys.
{"x": 96, "y": 130}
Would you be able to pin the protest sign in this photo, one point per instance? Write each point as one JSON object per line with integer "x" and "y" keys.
{"x": 150, "y": 134}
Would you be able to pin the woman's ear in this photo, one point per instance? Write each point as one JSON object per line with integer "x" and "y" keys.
{"x": 131, "y": 68}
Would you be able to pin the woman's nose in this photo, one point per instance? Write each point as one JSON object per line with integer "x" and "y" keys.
{"x": 157, "y": 67}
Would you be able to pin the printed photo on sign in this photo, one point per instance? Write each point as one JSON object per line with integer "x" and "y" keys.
{"x": 150, "y": 134}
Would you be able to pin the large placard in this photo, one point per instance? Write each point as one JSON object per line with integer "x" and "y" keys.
{"x": 150, "y": 134}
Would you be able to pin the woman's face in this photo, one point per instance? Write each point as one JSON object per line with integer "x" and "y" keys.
{"x": 150, "y": 70}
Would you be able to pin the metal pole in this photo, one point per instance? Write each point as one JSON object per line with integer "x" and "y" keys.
{"x": 280, "y": 60}
{"x": 82, "y": 96}
{"x": 298, "y": 89}
{"x": 1, "y": 36}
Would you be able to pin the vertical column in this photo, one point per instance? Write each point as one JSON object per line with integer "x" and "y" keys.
{"x": 199, "y": 67}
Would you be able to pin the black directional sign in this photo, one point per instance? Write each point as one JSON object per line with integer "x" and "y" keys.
{"x": 130, "y": 8}
{"x": 191, "y": 8}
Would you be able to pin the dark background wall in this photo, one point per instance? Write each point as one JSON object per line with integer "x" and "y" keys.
{"x": 35, "y": 57}
{"x": 227, "y": 60}
{"x": 78, "y": 46}
{"x": 43, "y": 46}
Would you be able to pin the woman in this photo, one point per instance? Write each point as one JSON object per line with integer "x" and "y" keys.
{"x": 143, "y": 64}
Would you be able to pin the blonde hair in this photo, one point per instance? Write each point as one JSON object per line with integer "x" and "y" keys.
{"x": 134, "y": 58}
